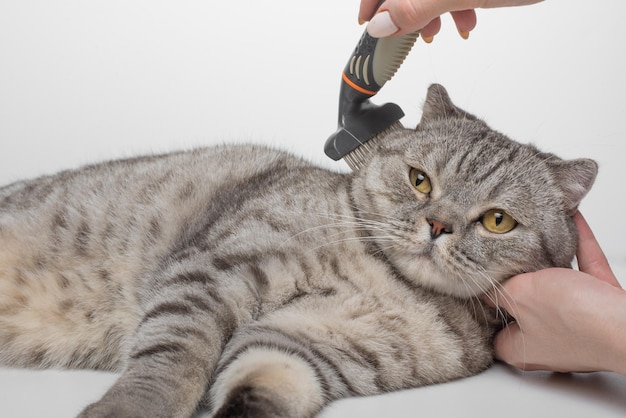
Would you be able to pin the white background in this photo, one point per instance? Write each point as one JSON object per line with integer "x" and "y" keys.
{"x": 82, "y": 81}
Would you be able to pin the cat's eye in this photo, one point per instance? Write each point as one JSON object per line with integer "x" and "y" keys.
{"x": 420, "y": 181}
{"x": 498, "y": 221}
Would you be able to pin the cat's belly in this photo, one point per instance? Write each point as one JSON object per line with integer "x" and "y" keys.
{"x": 62, "y": 310}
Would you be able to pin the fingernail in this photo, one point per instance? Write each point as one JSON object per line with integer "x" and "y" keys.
{"x": 361, "y": 21}
{"x": 428, "y": 39}
{"x": 381, "y": 25}
{"x": 464, "y": 34}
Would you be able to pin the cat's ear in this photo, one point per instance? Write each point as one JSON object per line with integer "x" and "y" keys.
{"x": 439, "y": 106}
{"x": 575, "y": 177}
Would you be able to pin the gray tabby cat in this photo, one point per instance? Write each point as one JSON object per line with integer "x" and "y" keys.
{"x": 247, "y": 281}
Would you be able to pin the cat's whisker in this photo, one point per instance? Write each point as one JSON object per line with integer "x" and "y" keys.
{"x": 498, "y": 291}
{"x": 491, "y": 290}
{"x": 376, "y": 240}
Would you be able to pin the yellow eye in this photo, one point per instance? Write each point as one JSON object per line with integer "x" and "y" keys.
{"x": 420, "y": 180}
{"x": 498, "y": 221}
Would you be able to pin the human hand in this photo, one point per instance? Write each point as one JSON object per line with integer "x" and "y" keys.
{"x": 398, "y": 17}
{"x": 591, "y": 258}
{"x": 566, "y": 320}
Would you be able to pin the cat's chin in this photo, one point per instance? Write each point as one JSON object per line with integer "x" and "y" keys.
{"x": 423, "y": 271}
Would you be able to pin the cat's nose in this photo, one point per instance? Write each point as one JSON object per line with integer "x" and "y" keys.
{"x": 437, "y": 228}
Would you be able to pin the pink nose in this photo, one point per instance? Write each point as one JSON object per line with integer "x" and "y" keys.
{"x": 437, "y": 228}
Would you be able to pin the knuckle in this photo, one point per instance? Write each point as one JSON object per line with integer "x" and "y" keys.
{"x": 409, "y": 12}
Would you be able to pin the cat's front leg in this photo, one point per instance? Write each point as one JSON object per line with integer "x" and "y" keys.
{"x": 188, "y": 316}
{"x": 167, "y": 384}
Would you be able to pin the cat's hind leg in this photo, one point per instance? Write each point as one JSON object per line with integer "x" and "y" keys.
{"x": 267, "y": 382}
{"x": 274, "y": 370}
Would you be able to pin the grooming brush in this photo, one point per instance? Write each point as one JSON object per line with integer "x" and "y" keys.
{"x": 373, "y": 63}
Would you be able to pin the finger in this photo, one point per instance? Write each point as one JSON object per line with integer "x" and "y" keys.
{"x": 431, "y": 29}
{"x": 507, "y": 3}
{"x": 510, "y": 347}
{"x": 591, "y": 258}
{"x": 495, "y": 300}
{"x": 410, "y": 15}
{"x": 505, "y": 343}
{"x": 465, "y": 21}
{"x": 504, "y": 296}
{"x": 367, "y": 10}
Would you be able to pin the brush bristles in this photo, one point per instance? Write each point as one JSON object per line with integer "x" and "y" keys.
{"x": 359, "y": 156}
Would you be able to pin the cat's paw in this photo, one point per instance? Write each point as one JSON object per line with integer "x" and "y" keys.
{"x": 102, "y": 410}
{"x": 120, "y": 409}
{"x": 251, "y": 402}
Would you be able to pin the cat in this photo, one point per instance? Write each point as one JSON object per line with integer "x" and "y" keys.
{"x": 251, "y": 283}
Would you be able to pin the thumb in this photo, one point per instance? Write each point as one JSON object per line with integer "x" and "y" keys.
{"x": 591, "y": 258}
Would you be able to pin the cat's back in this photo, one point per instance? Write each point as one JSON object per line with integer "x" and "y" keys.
{"x": 137, "y": 207}
{"x": 142, "y": 178}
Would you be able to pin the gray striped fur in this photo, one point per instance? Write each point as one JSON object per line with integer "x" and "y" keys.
{"x": 247, "y": 281}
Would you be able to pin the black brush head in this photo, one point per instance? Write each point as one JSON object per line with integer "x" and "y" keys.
{"x": 359, "y": 121}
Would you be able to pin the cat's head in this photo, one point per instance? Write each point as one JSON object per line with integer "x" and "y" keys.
{"x": 456, "y": 206}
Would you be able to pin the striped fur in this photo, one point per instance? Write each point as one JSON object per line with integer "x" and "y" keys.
{"x": 249, "y": 282}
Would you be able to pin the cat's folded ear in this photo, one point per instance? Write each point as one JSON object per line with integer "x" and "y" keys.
{"x": 575, "y": 178}
{"x": 439, "y": 106}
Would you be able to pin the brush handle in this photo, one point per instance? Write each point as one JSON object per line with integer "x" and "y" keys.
{"x": 375, "y": 61}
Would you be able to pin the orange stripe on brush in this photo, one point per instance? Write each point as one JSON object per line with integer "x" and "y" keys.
{"x": 354, "y": 86}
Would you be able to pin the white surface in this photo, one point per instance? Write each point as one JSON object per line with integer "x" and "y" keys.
{"x": 84, "y": 81}
{"x": 500, "y": 391}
